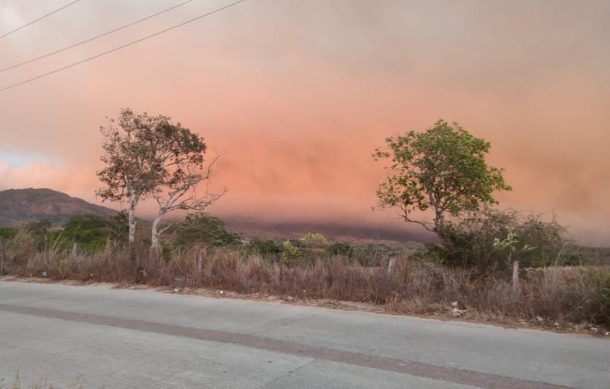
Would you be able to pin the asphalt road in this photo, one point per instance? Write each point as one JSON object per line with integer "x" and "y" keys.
{"x": 117, "y": 338}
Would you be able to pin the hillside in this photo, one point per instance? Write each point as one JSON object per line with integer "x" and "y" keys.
{"x": 19, "y": 205}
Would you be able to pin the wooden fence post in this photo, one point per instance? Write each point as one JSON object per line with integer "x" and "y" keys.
{"x": 200, "y": 261}
{"x": 391, "y": 265}
{"x": 516, "y": 287}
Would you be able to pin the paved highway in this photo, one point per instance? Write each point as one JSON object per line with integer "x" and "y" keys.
{"x": 118, "y": 338}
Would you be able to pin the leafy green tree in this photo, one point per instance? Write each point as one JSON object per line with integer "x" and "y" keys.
{"x": 442, "y": 168}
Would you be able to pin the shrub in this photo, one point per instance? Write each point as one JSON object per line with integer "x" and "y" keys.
{"x": 202, "y": 228}
{"x": 263, "y": 247}
{"x": 89, "y": 231}
{"x": 290, "y": 253}
{"x": 313, "y": 239}
{"x": 339, "y": 248}
{"x": 7, "y": 233}
{"x": 476, "y": 241}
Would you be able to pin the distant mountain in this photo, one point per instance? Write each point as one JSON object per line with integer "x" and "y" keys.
{"x": 20, "y": 205}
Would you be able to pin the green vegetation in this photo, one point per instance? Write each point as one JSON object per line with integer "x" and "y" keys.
{"x": 442, "y": 168}
{"x": 441, "y": 171}
{"x": 201, "y": 228}
{"x": 8, "y": 233}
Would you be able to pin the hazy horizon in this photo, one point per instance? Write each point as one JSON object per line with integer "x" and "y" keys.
{"x": 298, "y": 94}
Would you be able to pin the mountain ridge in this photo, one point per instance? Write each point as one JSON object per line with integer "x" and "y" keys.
{"x": 22, "y": 205}
{"x": 18, "y": 206}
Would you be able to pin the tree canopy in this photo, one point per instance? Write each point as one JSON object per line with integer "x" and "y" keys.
{"x": 442, "y": 168}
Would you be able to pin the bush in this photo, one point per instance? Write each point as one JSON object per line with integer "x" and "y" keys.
{"x": 290, "y": 253}
{"x": 202, "y": 228}
{"x": 480, "y": 240}
{"x": 7, "y": 233}
{"x": 313, "y": 239}
{"x": 89, "y": 231}
{"x": 265, "y": 248}
{"x": 339, "y": 248}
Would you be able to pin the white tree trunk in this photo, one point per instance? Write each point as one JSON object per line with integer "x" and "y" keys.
{"x": 155, "y": 238}
{"x": 132, "y": 224}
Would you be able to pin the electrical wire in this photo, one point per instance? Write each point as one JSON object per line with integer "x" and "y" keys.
{"x": 95, "y": 37}
{"x": 37, "y": 20}
{"x": 120, "y": 47}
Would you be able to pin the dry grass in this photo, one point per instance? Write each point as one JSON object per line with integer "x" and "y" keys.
{"x": 552, "y": 296}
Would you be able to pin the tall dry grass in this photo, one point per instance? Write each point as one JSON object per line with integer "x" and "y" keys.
{"x": 562, "y": 295}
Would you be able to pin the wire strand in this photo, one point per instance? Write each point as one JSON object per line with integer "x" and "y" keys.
{"x": 95, "y": 37}
{"x": 120, "y": 47}
{"x": 37, "y": 20}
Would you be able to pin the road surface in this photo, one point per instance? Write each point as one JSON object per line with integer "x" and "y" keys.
{"x": 118, "y": 338}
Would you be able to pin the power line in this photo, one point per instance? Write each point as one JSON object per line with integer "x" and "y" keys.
{"x": 121, "y": 47}
{"x": 95, "y": 37}
{"x": 37, "y": 20}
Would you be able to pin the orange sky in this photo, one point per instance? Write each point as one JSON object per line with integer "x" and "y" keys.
{"x": 298, "y": 93}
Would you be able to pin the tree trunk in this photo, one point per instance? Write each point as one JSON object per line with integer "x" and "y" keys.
{"x": 132, "y": 237}
{"x": 132, "y": 225}
{"x": 155, "y": 235}
{"x": 439, "y": 220}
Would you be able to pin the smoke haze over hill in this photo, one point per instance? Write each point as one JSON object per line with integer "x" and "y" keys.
{"x": 299, "y": 93}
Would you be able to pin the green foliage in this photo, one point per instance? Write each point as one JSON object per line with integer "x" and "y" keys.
{"x": 38, "y": 228}
{"x": 490, "y": 239}
{"x": 313, "y": 239}
{"x": 442, "y": 168}
{"x": 339, "y": 248}
{"x": 263, "y": 247}
{"x": 601, "y": 305}
{"x": 290, "y": 253}
{"x": 118, "y": 228}
{"x": 203, "y": 228}
{"x": 8, "y": 233}
{"x": 91, "y": 232}
{"x": 513, "y": 246}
